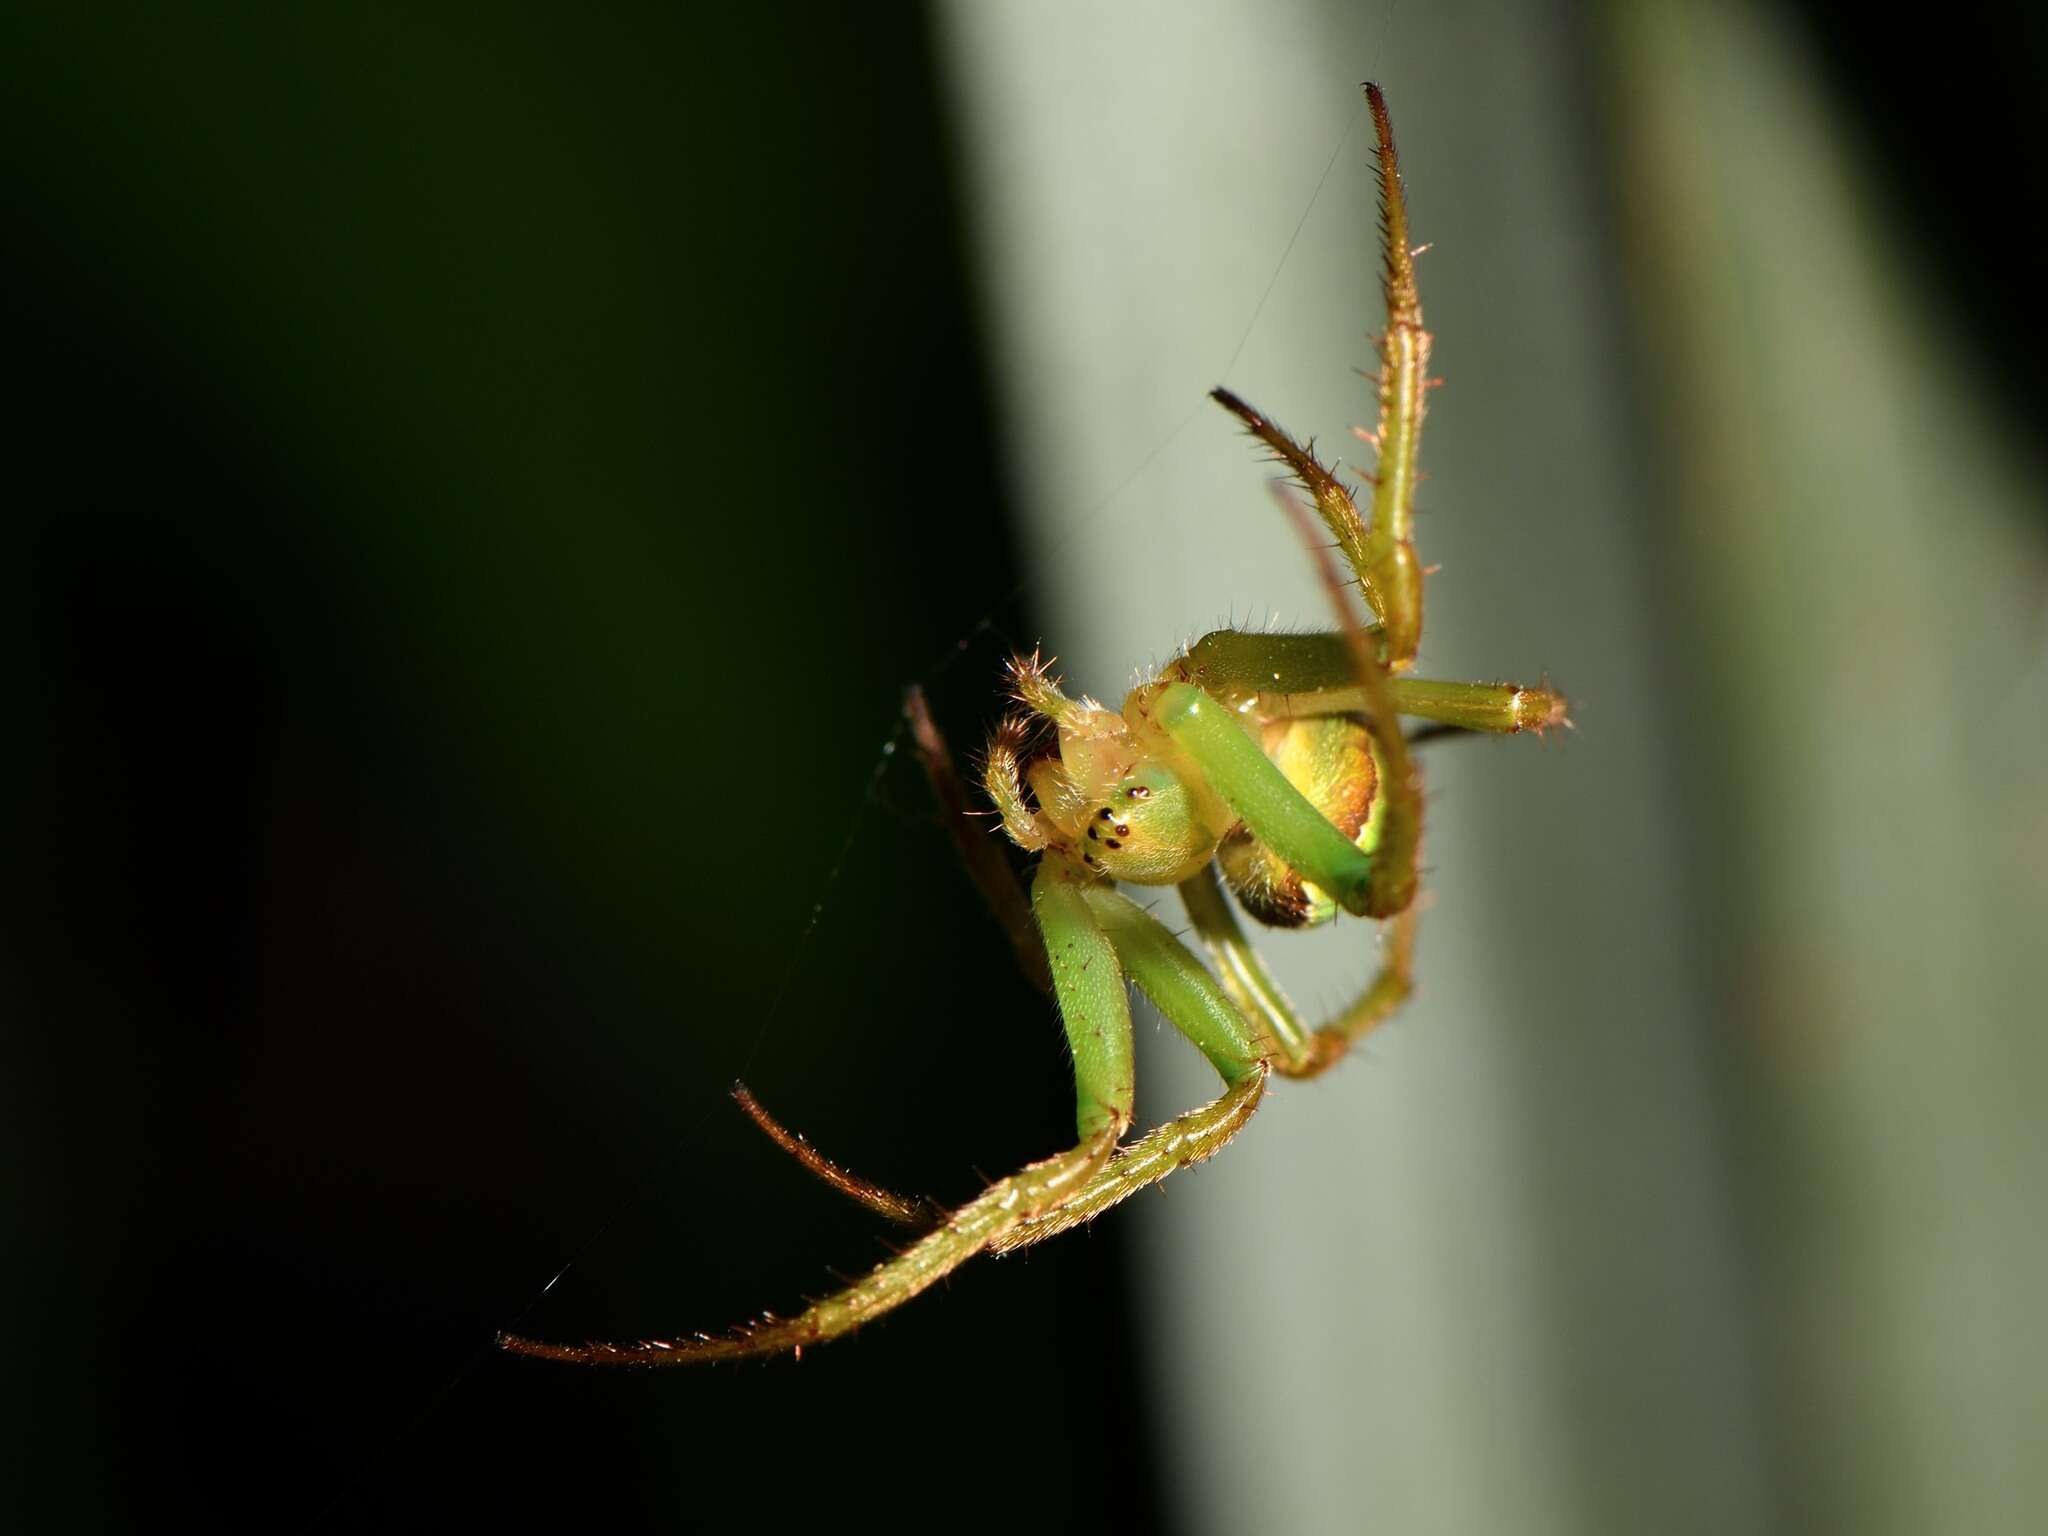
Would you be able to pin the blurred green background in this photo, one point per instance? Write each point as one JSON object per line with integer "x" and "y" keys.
{"x": 484, "y": 477}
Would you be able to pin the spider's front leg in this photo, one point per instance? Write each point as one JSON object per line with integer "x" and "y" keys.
{"x": 1193, "y": 1003}
{"x": 1284, "y": 677}
{"x": 1188, "y": 998}
{"x": 1354, "y": 671}
{"x": 1088, "y": 984}
{"x": 1397, "y": 855}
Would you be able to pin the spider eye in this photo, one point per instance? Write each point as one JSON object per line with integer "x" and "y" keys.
{"x": 1150, "y": 828}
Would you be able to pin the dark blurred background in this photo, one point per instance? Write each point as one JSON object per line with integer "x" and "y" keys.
{"x": 482, "y": 478}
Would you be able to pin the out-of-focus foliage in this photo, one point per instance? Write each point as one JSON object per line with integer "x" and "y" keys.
{"x": 484, "y": 475}
{"x": 1699, "y": 1191}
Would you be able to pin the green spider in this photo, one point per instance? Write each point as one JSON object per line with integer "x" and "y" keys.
{"x": 1272, "y": 764}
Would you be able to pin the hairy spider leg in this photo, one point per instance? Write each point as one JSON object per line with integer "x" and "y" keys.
{"x": 1381, "y": 552}
{"x": 1301, "y": 1051}
{"x": 1179, "y": 1143}
{"x": 1189, "y": 999}
{"x": 1095, "y": 1010}
{"x": 1404, "y": 385}
{"x": 1366, "y": 554}
{"x": 1293, "y": 676}
{"x": 967, "y": 1231}
{"x": 905, "y": 1210}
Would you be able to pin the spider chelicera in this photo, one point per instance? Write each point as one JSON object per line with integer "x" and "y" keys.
{"x": 1274, "y": 765}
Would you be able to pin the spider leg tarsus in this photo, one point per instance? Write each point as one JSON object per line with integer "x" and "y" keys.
{"x": 907, "y": 1210}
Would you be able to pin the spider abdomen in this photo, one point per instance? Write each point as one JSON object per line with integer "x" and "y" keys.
{"x": 1331, "y": 760}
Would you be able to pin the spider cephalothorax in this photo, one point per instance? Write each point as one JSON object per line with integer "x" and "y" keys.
{"x": 1112, "y": 789}
{"x": 1121, "y": 792}
{"x": 1273, "y": 765}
